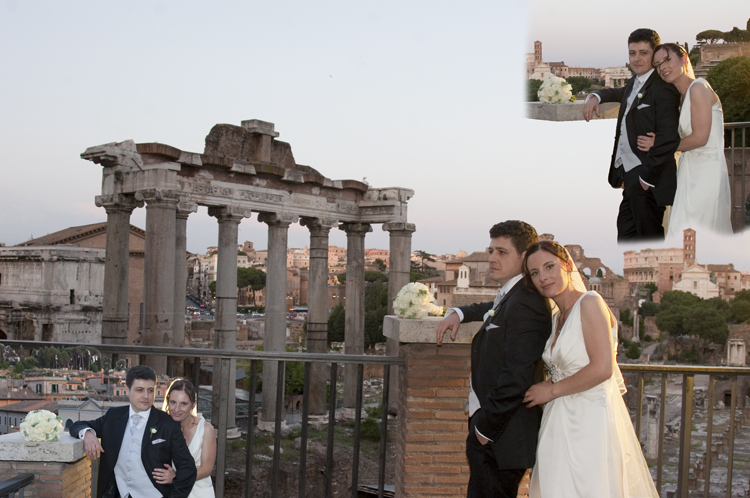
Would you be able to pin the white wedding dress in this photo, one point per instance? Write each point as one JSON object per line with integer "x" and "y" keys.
{"x": 203, "y": 488}
{"x": 702, "y": 199}
{"x": 587, "y": 444}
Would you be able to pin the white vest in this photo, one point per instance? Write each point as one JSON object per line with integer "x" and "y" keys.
{"x": 130, "y": 473}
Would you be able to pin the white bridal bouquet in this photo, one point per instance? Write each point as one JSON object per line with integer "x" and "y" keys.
{"x": 415, "y": 301}
{"x": 555, "y": 90}
{"x": 41, "y": 425}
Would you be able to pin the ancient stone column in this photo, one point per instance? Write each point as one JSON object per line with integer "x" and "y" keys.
{"x": 158, "y": 273}
{"x": 317, "y": 306}
{"x": 225, "y": 324}
{"x": 180, "y": 281}
{"x": 354, "y": 324}
{"x": 115, "y": 314}
{"x": 399, "y": 272}
{"x": 274, "y": 338}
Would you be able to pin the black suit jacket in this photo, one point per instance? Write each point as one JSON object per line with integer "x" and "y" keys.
{"x": 111, "y": 429}
{"x": 658, "y": 113}
{"x": 505, "y": 354}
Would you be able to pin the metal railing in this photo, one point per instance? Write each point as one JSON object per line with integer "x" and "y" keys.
{"x": 736, "y": 144}
{"x": 227, "y": 387}
{"x": 9, "y": 487}
{"x": 687, "y": 413}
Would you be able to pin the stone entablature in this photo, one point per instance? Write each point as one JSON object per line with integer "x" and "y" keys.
{"x": 244, "y": 181}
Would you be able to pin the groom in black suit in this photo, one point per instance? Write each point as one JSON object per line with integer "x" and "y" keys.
{"x": 137, "y": 439}
{"x": 647, "y": 105}
{"x": 505, "y": 356}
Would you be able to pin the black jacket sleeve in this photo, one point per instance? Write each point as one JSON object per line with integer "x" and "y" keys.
{"x": 475, "y": 312}
{"x": 183, "y": 461}
{"x": 611, "y": 94}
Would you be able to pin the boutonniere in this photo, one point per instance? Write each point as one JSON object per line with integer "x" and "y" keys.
{"x": 640, "y": 96}
{"x": 491, "y": 312}
{"x": 152, "y": 431}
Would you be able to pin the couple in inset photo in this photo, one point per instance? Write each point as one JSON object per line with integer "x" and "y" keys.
{"x": 665, "y": 109}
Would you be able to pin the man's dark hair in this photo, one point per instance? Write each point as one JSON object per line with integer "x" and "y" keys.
{"x": 141, "y": 372}
{"x": 645, "y": 35}
{"x": 521, "y": 234}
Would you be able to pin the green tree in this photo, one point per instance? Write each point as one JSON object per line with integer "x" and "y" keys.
{"x": 370, "y": 276}
{"x": 18, "y": 367}
{"x": 425, "y": 256}
{"x": 731, "y": 81}
{"x": 626, "y": 317}
{"x": 380, "y": 264}
{"x": 634, "y": 351}
{"x": 376, "y": 307}
{"x": 709, "y": 36}
{"x": 415, "y": 276}
{"x": 736, "y": 35}
{"x": 336, "y": 321}
{"x": 294, "y": 375}
{"x": 740, "y": 311}
{"x": 532, "y": 90}
{"x": 580, "y": 83}
{"x": 682, "y": 314}
{"x": 743, "y": 295}
{"x": 94, "y": 368}
{"x": 212, "y": 288}
{"x": 30, "y": 363}
{"x": 251, "y": 277}
{"x": 649, "y": 308}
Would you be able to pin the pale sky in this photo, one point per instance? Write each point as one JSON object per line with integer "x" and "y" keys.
{"x": 424, "y": 95}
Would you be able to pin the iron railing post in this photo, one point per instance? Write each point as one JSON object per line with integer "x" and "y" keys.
{"x": 686, "y": 422}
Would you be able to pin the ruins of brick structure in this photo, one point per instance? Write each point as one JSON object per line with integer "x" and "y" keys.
{"x": 243, "y": 170}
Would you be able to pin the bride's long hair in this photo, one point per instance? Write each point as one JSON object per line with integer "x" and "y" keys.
{"x": 677, "y": 50}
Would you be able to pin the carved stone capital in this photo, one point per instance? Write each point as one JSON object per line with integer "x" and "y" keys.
{"x": 277, "y": 219}
{"x": 229, "y": 213}
{"x": 186, "y": 208}
{"x": 356, "y": 228}
{"x": 117, "y": 202}
{"x": 115, "y": 154}
{"x": 158, "y": 196}
{"x": 399, "y": 227}
{"x": 318, "y": 226}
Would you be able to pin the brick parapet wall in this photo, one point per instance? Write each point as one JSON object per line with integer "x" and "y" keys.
{"x": 60, "y": 468}
{"x": 432, "y": 425}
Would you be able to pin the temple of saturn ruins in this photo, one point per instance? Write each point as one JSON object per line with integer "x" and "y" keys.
{"x": 243, "y": 169}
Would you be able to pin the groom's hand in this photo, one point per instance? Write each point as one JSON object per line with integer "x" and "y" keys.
{"x": 590, "y": 107}
{"x": 91, "y": 445}
{"x": 451, "y": 322}
{"x": 482, "y": 440}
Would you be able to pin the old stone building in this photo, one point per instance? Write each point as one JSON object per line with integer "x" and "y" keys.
{"x": 51, "y": 293}
{"x": 95, "y": 236}
{"x": 659, "y": 266}
{"x": 697, "y": 281}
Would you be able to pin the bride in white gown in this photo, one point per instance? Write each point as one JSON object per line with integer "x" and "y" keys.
{"x": 180, "y": 402}
{"x": 703, "y": 199}
{"x": 587, "y": 445}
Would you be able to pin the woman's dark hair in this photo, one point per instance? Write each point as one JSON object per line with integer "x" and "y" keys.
{"x": 674, "y": 48}
{"x": 181, "y": 385}
{"x": 549, "y": 246}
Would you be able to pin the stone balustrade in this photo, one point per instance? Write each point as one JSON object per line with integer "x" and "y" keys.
{"x": 61, "y": 468}
{"x": 572, "y": 111}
